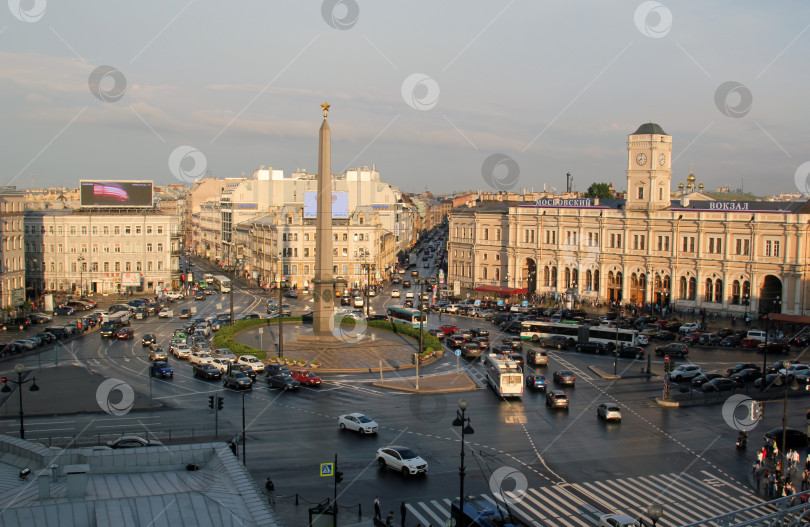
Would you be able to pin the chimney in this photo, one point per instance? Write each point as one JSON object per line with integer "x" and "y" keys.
{"x": 77, "y": 480}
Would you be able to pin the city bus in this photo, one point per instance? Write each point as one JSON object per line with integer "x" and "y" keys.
{"x": 537, "y": 330}
{"x": 222, "y": 283}
{"x": 208, "y": 278}
{"x": 406, "y": 316}
{"x": 504, "y": 375}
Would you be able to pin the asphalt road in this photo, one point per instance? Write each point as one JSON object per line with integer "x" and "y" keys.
{"x": 562, "y": 467}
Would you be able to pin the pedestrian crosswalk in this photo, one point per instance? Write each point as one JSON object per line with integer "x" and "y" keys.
{"x": 686, "y": 498}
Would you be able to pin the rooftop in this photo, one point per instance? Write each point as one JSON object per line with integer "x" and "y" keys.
{"x": 195, "y": 484}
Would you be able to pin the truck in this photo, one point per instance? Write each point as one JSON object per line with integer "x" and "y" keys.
{"x": 412, "y": 259}
{"x": 122, "y": 317}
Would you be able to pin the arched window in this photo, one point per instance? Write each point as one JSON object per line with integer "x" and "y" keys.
{"x": 746, "y": 292}
{"x": 692, "y": 288}
{"x": 735, "y": 292}
{"x": 596, "y": 281}
{"x": 567, "y": 278}
{"x": 718, "y": 291}
{"x": 575, "y": 277}
{"x": 546, "y": 277}
{"x": 709, "y": 291}
{"x": 484, "y": 273}
{"x": 554, "y": 276}
{"x": 589, "y": 279}
{"x": 497, "y": 274}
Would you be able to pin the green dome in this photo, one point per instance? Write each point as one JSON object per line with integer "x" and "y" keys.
{"x": 650, "y": 128}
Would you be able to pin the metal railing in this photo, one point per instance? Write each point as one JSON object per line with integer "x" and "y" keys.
{"x": 787, "y": 512}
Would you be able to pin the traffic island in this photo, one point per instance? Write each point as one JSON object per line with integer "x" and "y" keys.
{"x": 446, "y": 383}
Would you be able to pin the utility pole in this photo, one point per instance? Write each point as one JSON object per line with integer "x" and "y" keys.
{"x": 244, "y": 442}
{"x": 233, "y": 284}
{"x": 280, "y": 316}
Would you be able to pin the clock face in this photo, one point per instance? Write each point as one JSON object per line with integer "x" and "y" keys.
{"x": 641, "y": 159}
{"x": 662, "y": 158}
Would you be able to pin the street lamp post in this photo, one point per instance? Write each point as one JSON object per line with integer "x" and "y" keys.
{"x": 792, "y": 385}
{"x": 462, "y": 421}
{"x": 81, "y": 261}
{"x": 280, "y": 312}
{"x": 19, "y": 369}
{"x": 421, "y": 283}
{"x": 654, "y": 512}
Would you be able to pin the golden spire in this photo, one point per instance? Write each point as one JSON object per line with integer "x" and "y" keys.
{"x": 325, "y": 107}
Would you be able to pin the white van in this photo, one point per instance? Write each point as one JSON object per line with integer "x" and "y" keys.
{"x": 756, "y": 335}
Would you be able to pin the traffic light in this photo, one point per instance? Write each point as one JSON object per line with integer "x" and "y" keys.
{"x": 338, "y": 476}
{"x": 220, "y": 402}
{"x": 183, "y": 277}
{"x": 211, "y": 402}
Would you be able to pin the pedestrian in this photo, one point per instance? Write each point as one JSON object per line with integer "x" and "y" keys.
{"x": 759, "y": 456}
{"x": 389, "y": 521}
{"x": 377, "y": 513}
{"x": 403, "y": 511}
{"x": 270, "y": 488}
{"x": 805, "y": 479}
{"x": 756, "y": 475}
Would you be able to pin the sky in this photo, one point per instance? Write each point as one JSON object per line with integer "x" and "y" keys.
{"x": 452, "y": 95}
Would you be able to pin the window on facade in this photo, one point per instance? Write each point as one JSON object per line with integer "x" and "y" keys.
{"x": 160, "y": 247}
{"x": 295, "y": 252}
{"x": 137, "y": 229}
{"x": 149, "y": 265}
{"x": 776, "y": 248}
{"x": 127, "y": 230}
{"x": 484, "y": 273}
{"x": 106, "y": 267}
{"x": 497, "y": 273}
{"x": 306, "y": 269}
{"x": 306, "y": 252}
{"x": 735, "y": 292}
{"x": 117, "y": 266}
{"x": 497, "y": 235}
{"x": 692, "y": 288}
{"x": 640, "y": 192}
{"x": 768, "y": 247}
{"x": 148, "y": 229}
{"x": 709, "y": 292}
{"x": 84, "y": 229}
{"x": 345, "y": 237}
{"x": 160, "y": 229}
{"x": 116, "y": 230}
{"x": 148, "y": 248}
{"x": 128, "y": 266}
{"x": 138, "y": 266}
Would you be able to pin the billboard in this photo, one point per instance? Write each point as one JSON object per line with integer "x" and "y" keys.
{"x": 340, "y": 204}
{"x": 131, "y": 279}
{"x": 108, "y": 193}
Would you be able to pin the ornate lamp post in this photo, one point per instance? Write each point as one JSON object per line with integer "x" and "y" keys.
{"x": 654, "y": 512}
{"x": 81, "y": 260}
{"x": 19, "y": 369}
{"x": 790, "y": 383}
{"x": 464, "y": 422}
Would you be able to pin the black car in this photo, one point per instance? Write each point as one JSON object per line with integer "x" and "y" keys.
{"x": 770, "y": 380}
{"x": 730, "y": 341}
{"x": 557, "y": 342}
{"x": 719, "y": 384}
{"x": 747, "y": 375}
{"x": 631, "y": 352}
{"x": 480, "y": 342}
{"x": 237, "y": 379}
{"x": 794, "y": 439}
{"x": 244, "y": 368}
{"x": 518, "y": 358}
{"x": 283, "y": 381}
{"x": 775, "y": 367}
{"x": 454, "y": 341}
{"x": 513, "y": 342}
{"x": 148, "y": 339}
{"x": 673, "y": 349}
{"x": 592, "y": 347}
{"x": 741, "y": 366}
{"x": 703, "y": 378}
{"x": 479, "y": 332}
{"x": 276, "y": 369}
{"x": 206, "y": 371}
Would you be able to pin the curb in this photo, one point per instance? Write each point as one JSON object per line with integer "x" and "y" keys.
{"x": 603, "y": 374}
{"x": 422, "y": 390}
{"x": 660, "y": 401}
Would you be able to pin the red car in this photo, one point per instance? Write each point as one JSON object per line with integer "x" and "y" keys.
{"x": 307, "y": 378}
{"x": 749, "y": 343}
{"x": 776, "y": 346}
{"x": 690, "y": 338}
{"x": 124, "y": 333}
{"x": 449, "y": 329}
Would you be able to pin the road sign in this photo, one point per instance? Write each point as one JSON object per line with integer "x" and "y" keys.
{"x": 525, "y": 303}
{"x": 3, "y": 380}
{"x": 327, "y": 470}
{"x": 458, "y": 352}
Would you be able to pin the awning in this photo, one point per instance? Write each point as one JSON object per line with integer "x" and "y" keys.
{"x": 789, "y": 319}
{"x": 501, "y": 290}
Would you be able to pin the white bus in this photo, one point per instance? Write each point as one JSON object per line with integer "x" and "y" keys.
{"x": 537, "y": 330}
{"x": 222, "y": 283}
{"x": 208, "y": 277}
{"x": 504, "y": 376}
{"x": 406, "y": 316}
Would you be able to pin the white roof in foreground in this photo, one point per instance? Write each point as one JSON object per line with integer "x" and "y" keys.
{"x": 149, "y": 486}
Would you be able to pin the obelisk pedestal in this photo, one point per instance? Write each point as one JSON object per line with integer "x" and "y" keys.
{"x": 324, "y": 277}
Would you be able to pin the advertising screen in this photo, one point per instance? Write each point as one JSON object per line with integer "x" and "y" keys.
{"x": 340, "y": 204}
{"x": 108, "y": 193}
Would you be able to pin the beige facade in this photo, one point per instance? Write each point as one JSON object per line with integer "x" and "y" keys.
{"x": 721, "y": 256}
{"x": 282, "y": 244}
{"x": 12, "y": 261}
{"x": 102, "y": 251}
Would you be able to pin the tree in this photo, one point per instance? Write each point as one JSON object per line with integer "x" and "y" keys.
{"x": 599, "y": 190}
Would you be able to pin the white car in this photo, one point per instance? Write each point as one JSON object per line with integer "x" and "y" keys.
{"x": 452, "y": 308}
{"x": 795, "y": 369}
{"x": 182, "y": 351}
{"x": 253, "y": 362}
{"x": 200, "y": 357}
{"x": 609, "y": 412}
{"x": 357, "y": 422}
{"x": 618, "y": 520}
{"x": 165, "y": 313}
{"x": 174, "y": 295}
{"x": 395, "y": 293}
{"x": 221, "y": 364}
{"x": 686, "y": 371}
{"x": 688, "y": 328}
{"x": 643, "y": 340}
{"x": 408, "y": 294}
{"x": 401, "y": 459}
{"x": 225, "y": 353}
{"x": 358, "y": 301}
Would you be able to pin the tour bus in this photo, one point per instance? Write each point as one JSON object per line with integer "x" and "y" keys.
{"x": 406, "y": 316}
{"x": 222, "y": 284}
{"x": 579, "y": 333}
{"x": 504, "y": 375}
{"x": 208, "y": 278}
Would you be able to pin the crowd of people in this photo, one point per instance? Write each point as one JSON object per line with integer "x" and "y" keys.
{"x": 778, "y": 475}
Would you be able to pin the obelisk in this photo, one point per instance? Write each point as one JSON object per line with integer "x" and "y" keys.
{"x": 324, "y": 279}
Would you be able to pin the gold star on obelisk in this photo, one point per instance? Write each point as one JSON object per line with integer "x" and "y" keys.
{"x": 325, "y": 107}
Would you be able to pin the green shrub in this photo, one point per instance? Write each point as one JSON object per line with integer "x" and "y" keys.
{"x": 225, "y": 336}
{"x": 429, "y": 342}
